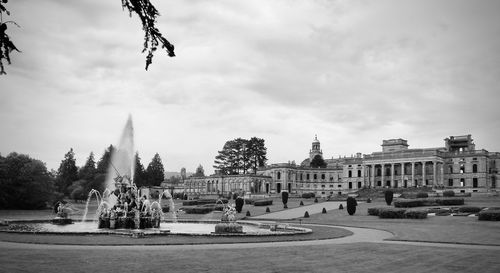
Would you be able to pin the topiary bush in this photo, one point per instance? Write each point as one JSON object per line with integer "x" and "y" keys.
{"x": 391, "y": 213}
{"x": 284, "y": 198}
{"x": 341, "y": 206}
{"x": 422, "y": 195}
{"x": 316, "y": 200}
{"x": 263, "y": 202}
{"x": 301, "y": 203}
{"x": 268, "y": 210}
{"x": 239, "y": 204}
{"x": 448, "y": 193}
{"x": 306, "y": 214}
{"x": 408, "y": 203}
{"x": 415, "y": 214}
{"x": 389, "y": 195}
{"x": 351, "y": 205}
{"x": 248, "y": 213}
{"x": 469, "y": 209}
{"x": 489, "y": 215}
{"x": 308, "y": 195}
{"x": 323, "y": 211}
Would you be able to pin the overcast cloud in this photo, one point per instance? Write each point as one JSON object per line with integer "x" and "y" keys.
{"x": 353, "y": 72}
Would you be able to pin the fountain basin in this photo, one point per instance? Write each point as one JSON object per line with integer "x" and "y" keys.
{"x": 193, "y": 228}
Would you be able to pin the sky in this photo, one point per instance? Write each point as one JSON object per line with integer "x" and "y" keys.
{"x": 352, "y": 72}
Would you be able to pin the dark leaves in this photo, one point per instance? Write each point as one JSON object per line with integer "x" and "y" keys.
{"x": 152, "y": 36}
{"x": 6, "y": 45}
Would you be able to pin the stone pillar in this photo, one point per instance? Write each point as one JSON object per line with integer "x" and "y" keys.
{"x": 441, "y": 176}
{"x": 383, "y": 173}
{"x": 434, "y": 176}
{"x": 373, "y": 175}
{"x": 402, "y": 174}
{"x": 412, "y": 174}
{"x": 423, "y": 173}
{"x": 392, "y": 175}
{"x": 363, "y": 173}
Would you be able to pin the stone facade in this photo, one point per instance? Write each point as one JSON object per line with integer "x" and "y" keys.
{"x": 225, "y": 184}
{"x": 457, "y": 166}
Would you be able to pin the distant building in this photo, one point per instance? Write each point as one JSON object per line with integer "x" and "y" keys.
{"x": 457, "y": 166}
{"x": 225, "y": 184}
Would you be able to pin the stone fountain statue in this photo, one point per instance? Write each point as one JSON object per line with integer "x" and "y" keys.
{"x": 62, "y": 214}
{"x": 228, "y": 221}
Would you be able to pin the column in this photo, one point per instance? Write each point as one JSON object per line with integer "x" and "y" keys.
{"x": 441, "y": 176}
{"x": 402, "y": 174}
{"x": 412, "y": 173}
{"x": 423, "y": 173}
{"x": 373, "y": 175}
{"x": 392, "y": 175}
{"x": 383, "y": 173}
{"x": 434, "y": 176}
{"x": 363, "y": 173}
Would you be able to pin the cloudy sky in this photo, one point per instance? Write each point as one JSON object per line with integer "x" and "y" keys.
{"x": 352, "y": 72}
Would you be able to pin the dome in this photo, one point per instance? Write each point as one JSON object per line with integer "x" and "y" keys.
{"x": 316, "y": 139}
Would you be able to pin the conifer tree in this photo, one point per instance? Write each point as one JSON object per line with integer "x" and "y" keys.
{"x": 140, "y": 173}
{"x": 155, "y": 173}
{"x": 67, "y": 172}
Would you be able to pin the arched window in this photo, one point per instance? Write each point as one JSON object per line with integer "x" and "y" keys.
{"x": 359, "y": 173}
{"x": 379, "y": 172}
{"x": 323, "y": 176}
{"x": 278, "y": 175}
{"x": 450, "y": 169}
{"x": 474, "y": 168}
{"x": 350, "y": 173}
{"x": 315, "y": 176}
{"x": 307, "y": 176}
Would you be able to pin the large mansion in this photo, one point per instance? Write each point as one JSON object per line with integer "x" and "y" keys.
{"x": 457, "y": 165}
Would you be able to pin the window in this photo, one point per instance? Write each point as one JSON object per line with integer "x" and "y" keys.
{"x": 322, "y": 186}
{"x": 339, "y": 186}
{"x": 278, "y": 175}
{"x": 450, "y": 182}
{"x": 301, "y": 176}
{"x": 379, "y": 172}
{"x": 474, "y": 182}
{"x": 462, "y": 182}
{"x": 359, "y": 184}
{"x": 350, "y": 173}
{"x": 379, "y": 183}
{"x": 323, "y": 176}
{"x": 359, "y": 173}
{"x": 315, "y": 176}
{"x": 450, "y": 169}
{"x": 474, "y": 168}
{"x": 350, "y": 185}
{"x": 462, "y": 168}
{"x": 307, "y": 176}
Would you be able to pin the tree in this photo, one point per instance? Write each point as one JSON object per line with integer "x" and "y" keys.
{"x": 257, "y": 153}
{"x": 239, "y": 155}
{"x": 89, "y": 170}
{"x": 155, "y": 173}
{"x": 139, "y": 174}
{"x": 25, "y": 183}
{"x": 200, "y": 172}
{"x": 318, "y": 162}
{"x": 143, "y": 8}
{"x": 67, "y": 172}
{"x": 183, "y": 174}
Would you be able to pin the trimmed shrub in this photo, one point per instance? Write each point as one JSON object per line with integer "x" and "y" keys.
{"x": 248, "y": 213}
{"x": 268, "y": 210}
{"x": 190, "y": 203}
{"x": 438, "y": 210}
{"x": 316, "y": 200}
{"x": 373, "y": 211}
{"x": 341, "y": 207}
{"x": 408, "y": 203}
{"x": 351, "y": 205}
{"x": 284, "y": 198}
{"x": 198, "y": 210}
{"x": 301, "y": 203}
{"x": 323, "y": 211}
{"x": 306, "y": 214}
{"x": 422, "y": 195}
{"x": 450, "y": 201}
{"x": 249, "y": 201}
{"x": 239, "y": 204}
{"x": 263, "y": 202}
{"x": 391, "y": 213}
{"x": 308, "y": 195}
{"x": 489, "y": 215}
{"x": 469, "y": 209}
{"x": 415, "y": 214}
{"x": 389, "y": 195}
{"x": 448, "y": 193}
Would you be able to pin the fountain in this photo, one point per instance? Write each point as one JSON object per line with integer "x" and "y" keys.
{"x": 122, "y": 208}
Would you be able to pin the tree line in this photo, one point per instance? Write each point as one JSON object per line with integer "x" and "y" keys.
{"x": 25, "y": 182}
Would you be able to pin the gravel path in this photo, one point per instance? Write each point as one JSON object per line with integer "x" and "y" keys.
{"x": 299, "y": 211}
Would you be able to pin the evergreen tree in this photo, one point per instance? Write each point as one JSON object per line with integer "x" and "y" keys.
{"x": 200, "y": 172}
{"x": 318, "y": 162}
{"x": 155, "y": 173}
{"x": 257, "y": 153}
{"x": 89, "y": 170}
{"x": 239, "y": 155}
{"x": 103, "y": 164}
{"x": 67, "y": 172}
{"x": 140, "y": 173}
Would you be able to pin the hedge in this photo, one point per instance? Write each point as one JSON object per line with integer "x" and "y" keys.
{"x": 448, "y": 193}
{"x": 409, "y": 203}
{"x": 469, "y": 209}
{"x": 198, "y": 210}
{"x": 190, "y": 203}
{"x": 392, "y": 213}
{"x": 375, "y": 211}
{"x": 422, "y": 195}
{"x": 249, "y": 201}
{"x": 416, "y": 214}
{"x": 308, "y": 195}
{"x": 450, "y": 201}
{"x": 489, "y": 215}
{"x": 263, "y": 202}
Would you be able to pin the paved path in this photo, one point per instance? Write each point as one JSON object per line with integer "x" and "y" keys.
{"x": 360, "y": 235}
{"x": 299, "y": 212}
